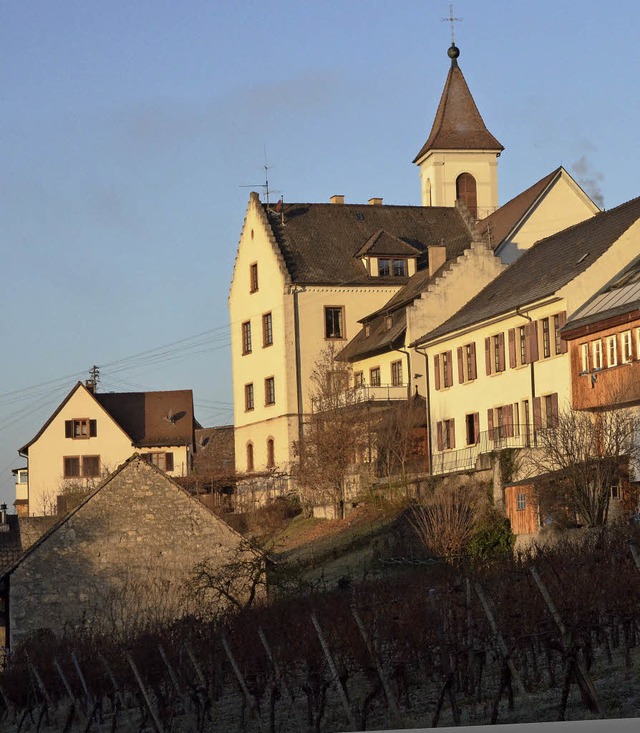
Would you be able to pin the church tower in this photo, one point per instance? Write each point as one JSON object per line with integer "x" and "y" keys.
{"x": 460, "y": 157}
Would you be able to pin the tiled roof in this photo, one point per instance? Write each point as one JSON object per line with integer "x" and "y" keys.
{"x": 620, "y": 295}
{"x": 497, "y": 226}
{"x": 458, "y": 124}
{"x": 214, "y": 450}
{"x": 380, "y": 338}
{"x": 152, "y": 418}
{"x": 18, "y": 534}
{"x": 545, "y": 268}
{"x": 383, "y": 243}
{"x": 320, "y": 242}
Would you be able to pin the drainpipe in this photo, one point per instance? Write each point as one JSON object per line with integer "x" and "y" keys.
{"x": 296, "y": 329}
{"x": 533, "y": 382}
{"x": 428, "y": 403}
{"x": 408, "y": 355}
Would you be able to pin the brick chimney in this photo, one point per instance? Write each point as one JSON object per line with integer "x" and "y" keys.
{"x": 437, "y": 257}
{"x": 337, "y": 199}
{"x": 375, "y": 201}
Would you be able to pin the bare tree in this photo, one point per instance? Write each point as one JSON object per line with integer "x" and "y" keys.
{"x": 582, "y": 456}
{"x": 401, "y": 437}
{"x": 337, "y": 435}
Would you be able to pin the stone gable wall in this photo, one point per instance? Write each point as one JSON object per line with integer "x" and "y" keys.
{"x": 122, "y": 558}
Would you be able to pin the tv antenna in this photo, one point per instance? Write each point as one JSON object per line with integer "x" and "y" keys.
{"x": 264, "y": 186}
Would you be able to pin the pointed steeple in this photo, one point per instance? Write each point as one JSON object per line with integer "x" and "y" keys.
{"x": 458, "y": 159}
{"x": 458, "y": 124}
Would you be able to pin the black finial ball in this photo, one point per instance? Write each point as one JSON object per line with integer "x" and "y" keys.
{"x": 453, "y": 51}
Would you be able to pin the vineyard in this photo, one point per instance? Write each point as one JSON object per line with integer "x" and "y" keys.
{"x": 545, "y": 636}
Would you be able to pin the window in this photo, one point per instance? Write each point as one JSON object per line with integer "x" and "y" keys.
{"x": 556, "y": 331}
{"x": 80, "y": 428}
{"x": 396, "y": 373}
{"x": 384, "y": 267}
{"x": 269, "y": 391}
{"x": 388, "y": 322}
{"x": 267, "y": 330}
{"x": 81, "y": 466}
{"x": 22, "y": 476}
{"x": 443, "y": 369}
{"x": 248, "y": 397}
{"x": 614, "y": 491}
{"x": 399, "y": 268}
{"x": 472, "y": 422}
{"x": 160, "y": 459}
{"x": 546, "y": 339}
{"x": 494, "y": 353}
{"x": 521, "y": 502}
{"x": 253, "y": 277}
{"x": 249, "y": 456}
{"x": 501, "y": 422}
{"x": 627, "y": 349}
{"x": 466, "y": 190}
{"x": 333, "y": 322}
{"x": 446, "y": 369}
{"x": 522, "y": 339}
{"x": 271, "y": 462}
{"x": 246, "y": 337}
{"x": 466, "y": 363}
{"x": 446, "y": 434}
{"x": 545, "y": 411}
{"x": 358, "y": 379}
{"x": 584, "y": 357}
{"x": 596, "y": 354}
{"x": 612, "y": 351}
{"x": 374, "y": 377}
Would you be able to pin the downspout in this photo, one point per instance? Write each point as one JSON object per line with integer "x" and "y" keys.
{"x": 533, "y": 382}
{"x": 408, "y": 355}
{"x": 428, "y": 404}
{"x": 296, "y": 332}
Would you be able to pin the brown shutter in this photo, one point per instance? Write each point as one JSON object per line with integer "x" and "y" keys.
{"x": 537, "y": 414}
{"x": 516, "y": 418}
{"x": 512, "y": 348}
{"x": 508, "y": 411}
{"x": 168, "y": 461}
{"x": 487, "y": 354}
{"x": 460, "y": 366}
{"x": 474, "y": 371}
{"x": 562, "y": 319}
{"x": 531, "y": 341}
{"x": 450, "y": 368}
{"x": 68, "y": 428}
{"x": 436, "y": 370}
{"x": 452, "y": 433}
{"x": 490, "y": 422}
{"x": 439, "y": 431}
{"x": 476, "y": 426}
{"x": 501, "y": 359}
{"x": 93, "y": 428}
{"x": 554, "y": 409}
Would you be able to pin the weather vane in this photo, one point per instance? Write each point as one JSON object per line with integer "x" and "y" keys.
{"x": 451, "y": 20}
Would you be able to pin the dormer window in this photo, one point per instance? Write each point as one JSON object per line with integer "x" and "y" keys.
{"x": 399, "y": 268}
{"x": 396, "y": 267}
{"x": 388, "y": 322}
{"x": 384, "y": 267}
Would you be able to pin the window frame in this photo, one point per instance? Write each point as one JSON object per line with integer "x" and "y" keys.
{"x": 375, "y": 377}
{"x": 267, "y": 329}
{"x": 269, "y": 391}
{"x": 71, "y": 474}
{"x": 627, "y": 347}
{"x": 73, "y": 428}
{"x": 521, "y": 502}
{"x": 386, "y": 267}
{"x": 545, "y": 327}
{"x": 249, "y": 397}
{"x": 246, "y": 338}
{"x": 253, "y": 278}
{"x": 358, "y": 379}
{"x": 612, "y": 350}
{"x": 398, "y": 264}
{"x": 396, "y": 373}
{"x": 162, "y": 460}
{"x": 596, "y": 354}
{"x": 584, "y": 357}
{"x": 336, "y": 310}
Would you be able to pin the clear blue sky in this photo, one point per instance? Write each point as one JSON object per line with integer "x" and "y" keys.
{"x": 128, "y": 128}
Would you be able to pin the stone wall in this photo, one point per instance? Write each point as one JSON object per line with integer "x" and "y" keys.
{"x": 122, "y": 558}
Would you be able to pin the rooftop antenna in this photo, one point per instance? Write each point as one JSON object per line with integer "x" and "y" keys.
{"x": 451, "y": 19}
{"x": 264, "y": 186}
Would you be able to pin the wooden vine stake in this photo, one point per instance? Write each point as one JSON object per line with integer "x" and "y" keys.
{"x": 574, "y": 668}
{"x": 145, "y": 694}
{"x": 243, "y": 685}
{"x": 276, "y": 667}
{"x": 334, "y": 672}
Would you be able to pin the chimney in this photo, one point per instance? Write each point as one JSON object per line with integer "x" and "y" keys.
{"x": 375, "y": 201}
{"x": 337, "y": 199}
{"x": 437, "y": 257}
{"x": 90, "y": 384}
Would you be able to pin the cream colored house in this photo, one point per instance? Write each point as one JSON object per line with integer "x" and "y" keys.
{"x": 91, "y": 433}
{"x": 498, "y": 368}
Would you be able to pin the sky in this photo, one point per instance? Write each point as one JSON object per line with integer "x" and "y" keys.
{"x": 131, "y": 134}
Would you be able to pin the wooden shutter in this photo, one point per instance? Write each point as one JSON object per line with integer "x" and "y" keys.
{"x": 531, "y": 341}
{"x": 68, "y": 428}
{"x": 490, "y": 422}
{"x": 537, "y": 414}
{"x": 501, "y": 356}
{"x": 436, "y": 370}
{"x": 508, "y": 411}
{"x": 460, "y": 365}
{"x": 452, "y": 433}
{"x": 439, "y": 431}
{"x": 476, "y": 426}
{"x": 93, "y": 428}
{"x": 512, "y": 348}
{"x": 487, "y": 354}
{"x": 450, "y": 368}
{"x": 554, "y": 410}
{"x": 474, "y": 371}
{"x": 168, "y": 461}
{"x": 562, "y": 319}
{"x": 516, "y": 418}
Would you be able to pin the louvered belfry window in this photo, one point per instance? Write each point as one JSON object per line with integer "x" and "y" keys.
{"x": 466, "y": 190}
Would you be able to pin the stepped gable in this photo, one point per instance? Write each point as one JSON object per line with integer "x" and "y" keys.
{"x": 545, "y": 268}
{"x": 320, "y": 242}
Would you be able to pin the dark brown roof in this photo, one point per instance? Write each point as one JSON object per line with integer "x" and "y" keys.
{"x": 458, "y": 124}
{"x": 545, "y": 268}
{"x": 380, "y": 338}
{"x": 214, "y": 450}
{"x": 152, "y": 418}
{"x": 320, "y": 242}
{"x": 383, "y": 243}
{"x": 497, "y": 226}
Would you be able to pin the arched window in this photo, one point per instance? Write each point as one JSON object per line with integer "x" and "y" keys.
{"x": 249, "y": 456}
{"x": 466, "y": 190}
{"x": 271, "y": 458}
